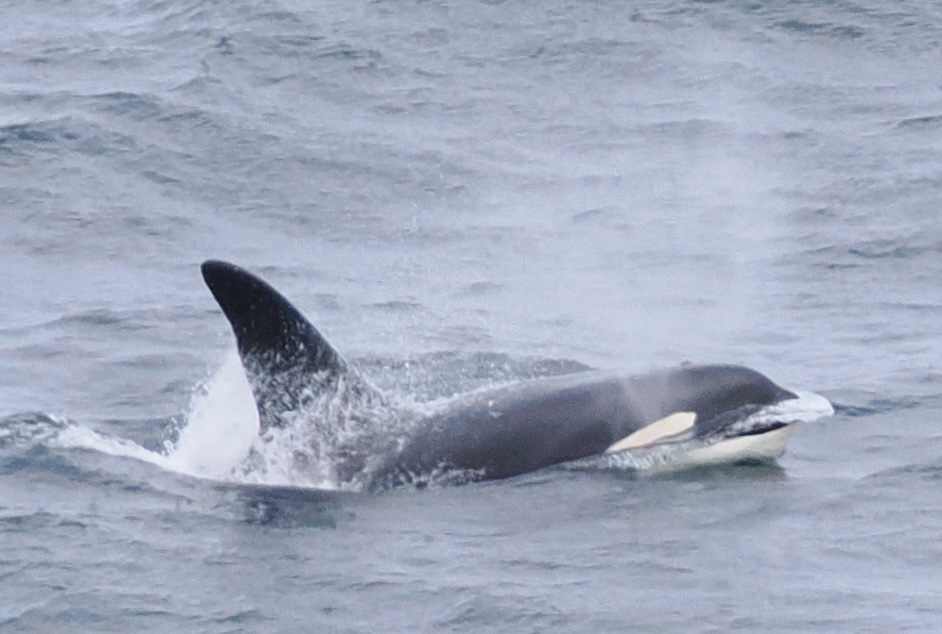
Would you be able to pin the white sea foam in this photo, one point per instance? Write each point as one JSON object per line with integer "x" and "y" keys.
{"x": 214, "y": 439}
{"x": 219, "y": 440}
{"x": 77, "y": 436}
{"x": 220, "y": 427}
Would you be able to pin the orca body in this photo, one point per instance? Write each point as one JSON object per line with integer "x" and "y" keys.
{"x": 689, "y": 415}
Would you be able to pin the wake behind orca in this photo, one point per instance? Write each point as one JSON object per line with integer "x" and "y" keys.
{"x": 692, "y": 415}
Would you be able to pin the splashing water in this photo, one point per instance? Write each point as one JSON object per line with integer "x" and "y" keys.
{"x": 219, "y": 439}
{"x": 220, "y": 427}
{"x": 214, "y": 439}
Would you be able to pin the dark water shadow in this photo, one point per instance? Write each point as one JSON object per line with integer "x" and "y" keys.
{"x": 931, "y": 471}
{"x": 285, "y": 506}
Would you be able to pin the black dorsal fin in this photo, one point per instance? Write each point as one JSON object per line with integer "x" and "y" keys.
{"x": 285, "y": 358}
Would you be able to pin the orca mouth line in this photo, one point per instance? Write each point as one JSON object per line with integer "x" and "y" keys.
{"x": 758, "y": 431}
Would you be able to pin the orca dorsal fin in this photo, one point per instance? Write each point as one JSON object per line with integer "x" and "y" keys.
{"x": 285, "y": 358}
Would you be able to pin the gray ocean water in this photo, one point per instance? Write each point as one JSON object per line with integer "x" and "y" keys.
{"x": 459, "y": 194}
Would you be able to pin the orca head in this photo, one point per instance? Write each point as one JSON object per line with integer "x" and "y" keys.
{"x": 750, "y": 432}
{"x": 756, "y": 432}
{"x": 715, "y": 391}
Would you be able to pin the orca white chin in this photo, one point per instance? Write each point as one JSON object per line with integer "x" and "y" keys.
{"x": 763, "y": 447}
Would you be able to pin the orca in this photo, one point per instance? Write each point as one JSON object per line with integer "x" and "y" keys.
{"x": 690, "y": 415}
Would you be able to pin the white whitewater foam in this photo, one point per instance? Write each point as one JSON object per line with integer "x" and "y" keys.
{"x": 76, "y": 436}
{"x": 214, "y": 440}
{"x": 807, "y": 408}
{"x": 220, "y": 428}
{"x": 219, "y": 440}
